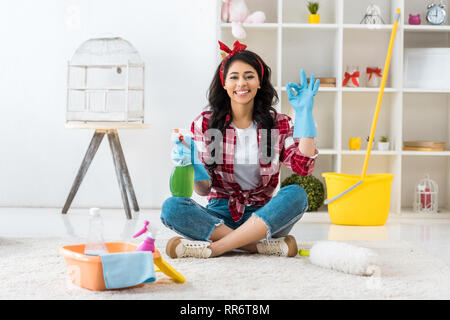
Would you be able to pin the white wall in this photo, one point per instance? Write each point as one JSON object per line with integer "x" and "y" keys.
{"x": 39, "y": 158}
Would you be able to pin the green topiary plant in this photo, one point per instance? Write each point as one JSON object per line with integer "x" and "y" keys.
{"x": 314, "y": 189}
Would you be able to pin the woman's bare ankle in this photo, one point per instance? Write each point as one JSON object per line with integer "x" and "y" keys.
{"x": 251, "y": 247}
{"x": 215, "y": 252}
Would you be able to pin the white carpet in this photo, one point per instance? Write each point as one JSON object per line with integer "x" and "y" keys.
{"x": 30, "y": 268}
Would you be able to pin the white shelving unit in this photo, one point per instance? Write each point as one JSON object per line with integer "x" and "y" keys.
{"x": 288, "y": 43}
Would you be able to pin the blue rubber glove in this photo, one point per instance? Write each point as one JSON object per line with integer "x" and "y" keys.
{"x": 184, "y": 155}
{"x": 302, "y": 100}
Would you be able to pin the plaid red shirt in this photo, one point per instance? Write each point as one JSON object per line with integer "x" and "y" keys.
{"x": 223, "y": 182}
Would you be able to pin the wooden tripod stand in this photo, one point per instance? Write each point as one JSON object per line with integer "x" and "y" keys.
{"x": 123, "y": 176}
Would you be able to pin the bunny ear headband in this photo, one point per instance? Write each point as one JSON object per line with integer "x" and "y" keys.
{"x": 237, "y": 47}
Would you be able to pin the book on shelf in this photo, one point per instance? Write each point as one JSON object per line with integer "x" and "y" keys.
{"x": 326, "y": 82}
{"x": 423, "y": 146}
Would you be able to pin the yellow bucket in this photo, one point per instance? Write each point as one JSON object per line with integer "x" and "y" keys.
{"x": 366, "y": 205}
{"x": 363, "y": 200}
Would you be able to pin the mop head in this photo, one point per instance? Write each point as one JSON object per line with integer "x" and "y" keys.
{"x": 344, "y": 257}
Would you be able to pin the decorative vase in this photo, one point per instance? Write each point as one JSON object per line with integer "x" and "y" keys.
{"x": 314, "y": 18}
{"x": 351, "y": 77}
{"x": 373, "y": 77}
{"x": 383, "y": 146}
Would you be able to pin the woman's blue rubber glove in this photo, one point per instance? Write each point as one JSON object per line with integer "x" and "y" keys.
{"x": 183, "y": 155}
{"x": 302, "y": 100}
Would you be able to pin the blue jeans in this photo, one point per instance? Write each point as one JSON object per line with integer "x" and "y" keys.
{"x": 193, "y": 221}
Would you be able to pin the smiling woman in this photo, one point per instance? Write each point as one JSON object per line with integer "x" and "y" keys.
{"x": 228, "y": 107}
{"x": 242, "y": 84}
{"x": 240, "y": 142}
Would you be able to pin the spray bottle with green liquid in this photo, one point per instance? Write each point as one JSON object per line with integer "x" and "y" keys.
{"x": 182, "y": 177}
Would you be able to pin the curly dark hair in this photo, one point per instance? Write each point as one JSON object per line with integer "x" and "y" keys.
{"x": 266, "y": 98}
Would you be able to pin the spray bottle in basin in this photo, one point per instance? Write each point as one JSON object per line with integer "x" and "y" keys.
{"x": 149, "y": 243}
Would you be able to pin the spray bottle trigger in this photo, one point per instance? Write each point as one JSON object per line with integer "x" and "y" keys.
{"x": 143, "y": 230}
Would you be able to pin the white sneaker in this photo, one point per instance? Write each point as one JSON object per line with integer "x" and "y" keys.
{"x": 284, "y": 246}
{"x": 178, "y": 247}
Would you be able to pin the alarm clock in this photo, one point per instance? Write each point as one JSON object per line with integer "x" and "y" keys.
{"x": 436, "y": 14}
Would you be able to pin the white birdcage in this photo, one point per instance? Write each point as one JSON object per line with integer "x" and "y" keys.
{"x": 426, "y": 196}
{"x": 373, "y": 15}
{"x": 105, "y": 82}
